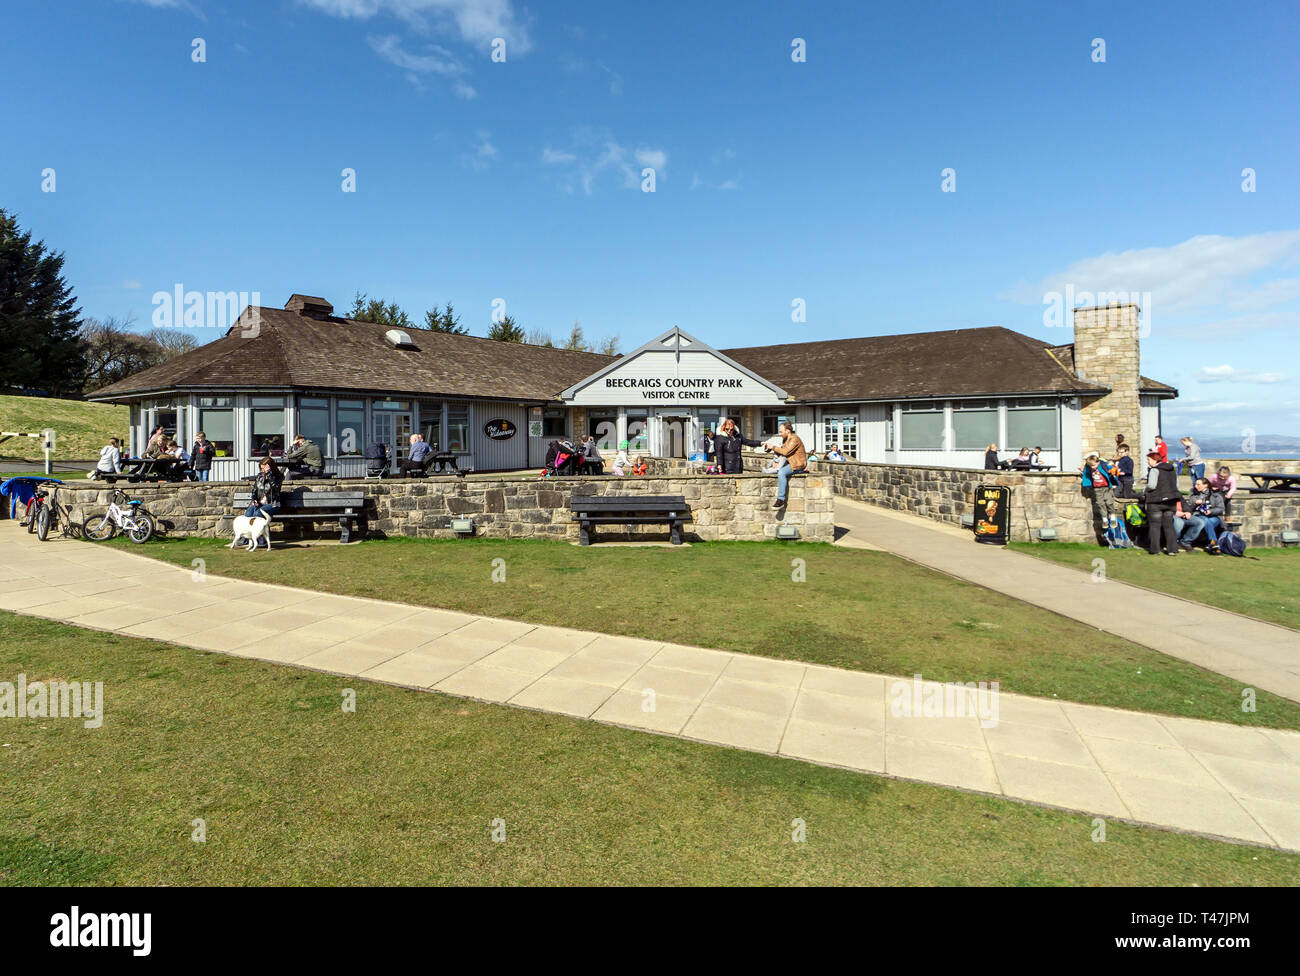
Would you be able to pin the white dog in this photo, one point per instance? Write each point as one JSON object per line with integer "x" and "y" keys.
{"x": 253, "y": 529}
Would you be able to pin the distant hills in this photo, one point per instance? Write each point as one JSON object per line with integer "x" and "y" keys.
{"x": 1264, "y": 444}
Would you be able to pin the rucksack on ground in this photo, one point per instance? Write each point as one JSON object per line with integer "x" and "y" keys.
{"x": 1134, "y": 515}
{"x": 1231, "y": 544}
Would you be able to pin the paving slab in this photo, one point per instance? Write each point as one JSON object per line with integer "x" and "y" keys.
{"x": 1224, "y": 781}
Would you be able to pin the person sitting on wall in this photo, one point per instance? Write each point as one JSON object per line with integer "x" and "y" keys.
{"x": 1122, "y": 465}
{"x": 793, "y": 451}
{"x": 1205, "y": 515}
{"x": 1022, "y": 461}
{"x": 727, "y": 446}
{"x": 991, "y": 458}
{"x": 416, "y": 460}
{"x": 1225, "y": 484}
{"x": 1100, "y": 483}
{"x": 834, "y": 454}
{"x": 110, "y": 460}
{"x": 305, "y": 460}
{"x": 640, "y": 468}
{"x": 1036, "y": 457}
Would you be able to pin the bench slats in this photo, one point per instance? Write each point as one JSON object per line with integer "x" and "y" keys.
{"x": 593, "y": 510}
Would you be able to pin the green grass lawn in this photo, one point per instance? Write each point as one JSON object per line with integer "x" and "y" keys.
{"x": 1264, "y": 584}
{"x": 862, "y": 610}
{"x": 295, "y": 791}
{"x": 82, "y": 429}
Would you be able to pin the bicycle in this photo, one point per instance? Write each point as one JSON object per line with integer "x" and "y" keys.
{"x": 138, "y": 524}
{"x": 50, "y": 512}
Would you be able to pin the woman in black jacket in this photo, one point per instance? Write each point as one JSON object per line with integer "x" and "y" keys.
{"x": 991, "y": 458}
{"x": 266, "y": 490}
{"x": 1160, "y": 500}
{"x": 727, "y": 445}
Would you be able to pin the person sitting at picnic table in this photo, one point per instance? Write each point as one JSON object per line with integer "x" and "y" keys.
{"x": 1192, "y": 458}
{"x": 414, "y": 461}
{"x": 175, "y": 450}
{"x": 1122, "y": 464}
{"x": 1225, "y": 484}
{"x": 156, "y": 445}
{"x": 1205, "y": 514}
{"x": 1036, "y": 457}
{"x": 792, "y": 449}
{"x": 110, "y": 459}
{"x": 1101, "y": 482}
{"x": 592, "y": 462}
{"x": 1160, "y": 499}
{"x": 304, "y": 460}
{"x": 266, "y": 490}
{"x": 834, "y": 454}
{"x": 201, "y": 455}
{"x": 1022, "y": 460}
{"x": 991, "y": 458}
{"x": 728, "y": 444}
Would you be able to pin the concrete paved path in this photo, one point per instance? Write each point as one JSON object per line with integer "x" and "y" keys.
{"x": 1203, "y": 777}
{"x": 1258, "y": 654}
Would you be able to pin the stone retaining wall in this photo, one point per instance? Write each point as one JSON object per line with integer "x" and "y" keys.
{"x": 731, "y": 508}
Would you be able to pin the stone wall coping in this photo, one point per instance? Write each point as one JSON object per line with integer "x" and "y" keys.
{"x": 941, "y": 467}
{"x": 87, "y": 484}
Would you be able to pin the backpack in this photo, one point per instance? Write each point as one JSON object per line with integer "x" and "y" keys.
{"x": 1231, "y": 544}
{"x": 1134, "y": 515}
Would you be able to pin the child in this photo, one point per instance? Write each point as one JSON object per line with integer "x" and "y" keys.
{"x": 640, "y": 467}
{"x": 621, "y": 463}
{"x": 1124, "y": 471}
{"x": 1100, "y": 481}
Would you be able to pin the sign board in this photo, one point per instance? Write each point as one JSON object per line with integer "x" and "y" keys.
{"x": 500, "y": 429}
{"x": 993, "y": 514}
{"x": 534, "y": 428}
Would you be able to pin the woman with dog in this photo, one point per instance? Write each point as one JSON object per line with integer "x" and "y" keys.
{"x": 266, "y": 490}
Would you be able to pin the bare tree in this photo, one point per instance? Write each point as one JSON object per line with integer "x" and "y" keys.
{"x": 607, "y": 346}
{"x": 537, "y": 336}
{"x": 173, "y": 342}
{"x": 114, "y": 352}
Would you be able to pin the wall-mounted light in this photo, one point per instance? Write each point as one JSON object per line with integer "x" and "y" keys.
{"x": 462, "y": 526}
{"x": 968, "y": 521}
{"x": 787, "y": 532}
{"x": 1048, "y": 535}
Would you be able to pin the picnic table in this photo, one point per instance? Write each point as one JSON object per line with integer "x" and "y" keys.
{"x": 149, "y": 469}
{"x": 1012, "y": 466}
{"x": 1273, "y": 481}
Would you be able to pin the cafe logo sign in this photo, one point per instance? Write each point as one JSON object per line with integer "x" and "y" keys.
{"x": 499, "y": 430}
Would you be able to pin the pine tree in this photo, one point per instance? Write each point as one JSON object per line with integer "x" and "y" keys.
{"x": 576, "y": 339}
{"x": 374, "y": 310}
{"x": 445, "y": 321}
{"x": 40, "y": 342}
{"x": 507, "y": 330}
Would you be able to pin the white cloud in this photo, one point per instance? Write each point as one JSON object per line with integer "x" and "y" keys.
{"x": 185, "y": 5}
{"x": 130, "y": 284}
{"x": 1219, "y": 374}
{"x": 594, "y": 155}
{"x": 1206, "y": 270}
{"x": 652, "y": 157}
{"x": 436, "y": 61}
{"x": 484, "y": 152}
{"x": 476, "y": 22}
{"x": 554, "y": 156}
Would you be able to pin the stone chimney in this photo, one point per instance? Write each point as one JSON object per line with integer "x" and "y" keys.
{"x": 1106, "y": 353}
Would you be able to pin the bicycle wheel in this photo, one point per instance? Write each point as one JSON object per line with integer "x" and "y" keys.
{"x": 43, "y": 522}
{"x": 33, "y": 507}
{"x": 142, "y": 530}
{"x": 98, "y": 528}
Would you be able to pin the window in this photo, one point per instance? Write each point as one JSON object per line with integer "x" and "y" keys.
{"x": 889, "y": 428}
{"x": 431, "y": 423}
{"x": 314, "y": 421}
{"x": 392, "y": 404}
{"x": 974, "y": 425}
{"x": 555, "y": 423}
{"x": 349, "y": 427}
{"x": 217, "y": 421}
{"x": 638, "y": 431}
{"x": 841, "y": 432}
{"x": 604, "y": 427}
{"x": 921, "y": 426}
{"x": 1032, "y": 423}
{"x": 268, "y": 425}
{"x": 458, "y": 428}
{"x": 772, "y": 421}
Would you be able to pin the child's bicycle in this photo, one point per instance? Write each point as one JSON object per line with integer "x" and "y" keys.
{"x": 47, "y": 512}
{"x": 134, "y": 520}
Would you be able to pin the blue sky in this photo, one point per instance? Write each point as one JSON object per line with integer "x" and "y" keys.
{"x": 774, "y": 180}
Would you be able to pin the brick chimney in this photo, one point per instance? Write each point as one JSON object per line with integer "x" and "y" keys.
{"x": 1106, "y": 353}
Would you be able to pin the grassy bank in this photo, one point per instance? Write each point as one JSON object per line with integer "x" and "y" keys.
{"x": 82, "y": 428}
{"x": 293, "y": 790}
{"x": 867, "y": 611}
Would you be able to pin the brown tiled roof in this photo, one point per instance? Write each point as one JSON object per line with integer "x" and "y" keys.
{"x": 293, "y": 350}
{"x": 1146, "y": 385}
{"x": 961, "y": 362}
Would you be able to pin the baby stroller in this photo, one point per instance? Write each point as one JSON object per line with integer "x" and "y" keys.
{"x": 561, "y": 458}
{"x": 377, "y": 460}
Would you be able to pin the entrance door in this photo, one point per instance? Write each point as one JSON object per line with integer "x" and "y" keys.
{"x": 394, "y": 428}
{"x": 841, "y": 432}
{"x": 674, "y": 436}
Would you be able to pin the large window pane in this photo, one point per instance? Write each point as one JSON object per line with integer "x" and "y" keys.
{"x": 458, "y": 428}
{"x": 314, "y": 421}
{"x": 431, "y": 423}
{"x": 555, "y": 423}
{"x": 638, "y": 432}
{"x": 974, "y": 429}
{"x": 772, "y": 421}
{"x": 218, "y": 425}
{"x": 921, "y": 431}
{"x": 1032, "y": 428}
{"x": 268, "y": 425}
{"x": 604, "y": 427}
{"x": 349, "y": 427}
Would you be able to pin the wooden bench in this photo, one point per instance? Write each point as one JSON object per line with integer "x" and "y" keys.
{"x": 317, "y": 506}
{"x": 629, "y": 510}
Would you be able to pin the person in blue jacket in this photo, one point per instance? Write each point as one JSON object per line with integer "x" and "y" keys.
{"x": 1101, "y": 482}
